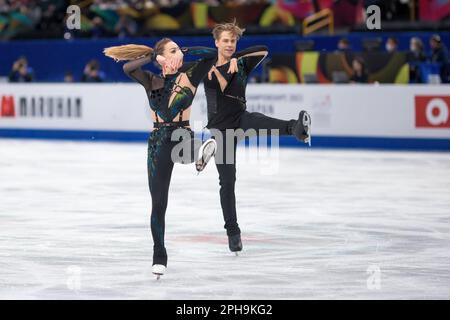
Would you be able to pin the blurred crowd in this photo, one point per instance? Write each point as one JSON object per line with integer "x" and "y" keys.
{"x": 22, "y": 16}
{"x": 129, "y": 18}
{"x": 419, "y": 61}
{"x": 135, "y": 18}
{"x": 22, "y": 72}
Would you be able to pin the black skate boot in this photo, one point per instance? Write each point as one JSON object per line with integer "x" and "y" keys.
{"x": 301, "y": 129}
{"x": 235, "y": 243}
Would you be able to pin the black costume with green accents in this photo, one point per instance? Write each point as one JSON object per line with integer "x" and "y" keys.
{"x": 159, "y": 161}
{"x": 227, "y": 110}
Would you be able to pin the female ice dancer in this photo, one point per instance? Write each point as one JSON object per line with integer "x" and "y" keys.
{"x": 170, "y": 97}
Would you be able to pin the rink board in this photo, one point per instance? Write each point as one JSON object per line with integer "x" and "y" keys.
{"x": 413, "y": 117}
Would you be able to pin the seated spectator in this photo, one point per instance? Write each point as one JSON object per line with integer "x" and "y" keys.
{"x": 68, "y": 77}
{"x": 98, "y": 29}
{"x": 21, "y": 72}
{"x": 53, "y": 13}
{"x": 359, "y": 71}
{"x": 343, "y": 45}
{"x": 277, "y": 12}
{"x": 415, "y": 57}
{"x": 439, "y": 55}
{"x": 125, "y": 27}
{"x": 347, "y": 12}
{"x": 391, "y": 45}
{"x": 92, "y": 72}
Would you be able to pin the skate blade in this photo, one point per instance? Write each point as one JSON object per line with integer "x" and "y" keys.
{"x": 158, "y": 275}
{"x": 307, "y": 124}
{"x": 308, "y": 140}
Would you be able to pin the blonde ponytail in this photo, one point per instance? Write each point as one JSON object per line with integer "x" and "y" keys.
{"x": 127, "y": 52}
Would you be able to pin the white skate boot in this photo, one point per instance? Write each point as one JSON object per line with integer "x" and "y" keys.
{"x": 158, "y": 270}
{"x": 206, "y": 152}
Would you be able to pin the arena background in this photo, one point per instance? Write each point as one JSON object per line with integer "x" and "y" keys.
{"x": 388, "y": 112}
{"x": 355, "y": 214}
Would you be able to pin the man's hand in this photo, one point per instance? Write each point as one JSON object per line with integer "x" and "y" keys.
{"x": 213, "y": 69}
{"x": 233, "y": 66}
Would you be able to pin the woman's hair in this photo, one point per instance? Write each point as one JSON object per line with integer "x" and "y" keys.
{"x": 230, "y": 26}
{"x": 127, "y": 52}
{"x": 159, "y": 46}
{"x": 134, "y": 51}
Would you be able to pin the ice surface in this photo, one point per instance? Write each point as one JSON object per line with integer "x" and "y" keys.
{"x": 74, "y": 224}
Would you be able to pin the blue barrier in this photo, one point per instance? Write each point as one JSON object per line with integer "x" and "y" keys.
{"x": 428, "y": 69}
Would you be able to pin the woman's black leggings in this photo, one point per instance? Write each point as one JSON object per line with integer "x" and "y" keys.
{"x": 160, "y": 162}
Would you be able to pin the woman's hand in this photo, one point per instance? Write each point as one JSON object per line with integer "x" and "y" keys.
{"x": 178, "y": 60}
{"x": 170, "y": 65}
{"x": 161, "y": 60}
{"x": 174, "y": 64}
{"x": 163, "y": 63}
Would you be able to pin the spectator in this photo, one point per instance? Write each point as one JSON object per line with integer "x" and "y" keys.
{"x": 53, "y": 14}
{"x": 344, "y": 45}
{"x": 415, "y": 57}
{"x": 439, "y": 55}
{"x": 21, "y": 72}
{"x": 98, "y": 29}
{"x": 391, "y": 45}
{"x": 68, "y": 77}
{"x": 92, "y": 72}
{"x": 347, "y": 13}
{"x": 125, "y": 27}
{"x": 359, "y": 71}
{"x": 278, "y": 11}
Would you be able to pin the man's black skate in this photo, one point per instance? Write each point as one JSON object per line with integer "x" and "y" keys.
{"x": 302, "y": 128}
{"x": 235, "y": 243}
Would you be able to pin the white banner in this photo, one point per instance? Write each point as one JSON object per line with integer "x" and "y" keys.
{"x": 407, "y": 111}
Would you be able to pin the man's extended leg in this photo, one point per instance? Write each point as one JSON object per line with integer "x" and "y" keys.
{"x": 258, "y": 121}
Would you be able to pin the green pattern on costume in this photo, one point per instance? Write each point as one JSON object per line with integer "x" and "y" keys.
{"x": 242, "y": 76}
{"x": 157, "y": 139}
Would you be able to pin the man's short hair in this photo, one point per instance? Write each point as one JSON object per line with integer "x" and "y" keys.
{"x": 230, "y": 27}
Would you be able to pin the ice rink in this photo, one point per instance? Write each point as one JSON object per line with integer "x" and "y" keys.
{"x": 74, "y": 224}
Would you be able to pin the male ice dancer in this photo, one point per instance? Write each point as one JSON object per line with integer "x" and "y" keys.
{"x": 225, "y": 93}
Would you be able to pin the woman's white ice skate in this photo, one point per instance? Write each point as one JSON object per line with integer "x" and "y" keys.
{"x": 205, "y": 153}
{"x": 158, "y": 270}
